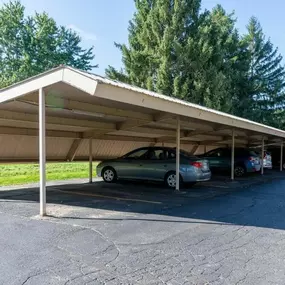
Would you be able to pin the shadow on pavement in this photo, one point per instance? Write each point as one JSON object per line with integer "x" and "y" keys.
{"x": 254, "y": 204}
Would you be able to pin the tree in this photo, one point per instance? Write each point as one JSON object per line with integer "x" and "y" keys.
{"x": 155, "y": 30}
{"x": 210, "y": 62}
{"x": 31, "y": 45}
{"x": 265, "y": 78}
{"x": 179, "y": 51}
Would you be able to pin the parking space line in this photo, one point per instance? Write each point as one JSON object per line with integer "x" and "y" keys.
{"x": 109, "y": 197}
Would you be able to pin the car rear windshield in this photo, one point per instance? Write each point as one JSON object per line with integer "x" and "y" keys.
{"x": 253, "y": 153}
{"x": 188, "y": 154}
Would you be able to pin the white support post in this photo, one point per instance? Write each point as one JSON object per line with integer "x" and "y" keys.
{"x": 177, "y": 154}
{"x": 281, "y": 157}
{"x": 42, "y": 148}
{"x": 233, "y": 156}
{"x": 90, "y": 161}
{"x": 262, "y": 157}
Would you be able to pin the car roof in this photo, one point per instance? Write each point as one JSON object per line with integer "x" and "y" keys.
{"x": 156, "y": 147}
{"x": 227, "y": 148}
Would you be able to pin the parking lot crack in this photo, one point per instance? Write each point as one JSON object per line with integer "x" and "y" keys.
{"x": 104, "y": 237}
{"x": 32, "y": 276}
{"x": 242, "y": 279}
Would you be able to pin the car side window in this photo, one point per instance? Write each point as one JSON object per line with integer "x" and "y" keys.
{"x": 170, "y": 154}
{"x": 139, "y": 154}
{"x": 224, "y": 153}
{"x": 156, "y": 154}
{"x": 218, "y": 153}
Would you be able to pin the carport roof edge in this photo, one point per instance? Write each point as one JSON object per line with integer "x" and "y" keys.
{"x": 57, "y": 74}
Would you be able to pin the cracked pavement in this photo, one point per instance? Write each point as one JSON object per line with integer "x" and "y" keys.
{"x": 202, "y": 236}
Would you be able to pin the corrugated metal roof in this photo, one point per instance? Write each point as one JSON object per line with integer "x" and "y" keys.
{"x": 115, "y": 83}
{"x": 129, "y": 119}
{"x": 164, "y": 97}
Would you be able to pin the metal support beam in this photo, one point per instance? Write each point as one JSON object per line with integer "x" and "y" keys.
{"x": 35, "y": 133}
{"x": 42, "y": 148}
{"x": 233, "y": 156}
{"x": 136, "y": 125}
{"x": 262, "y": 156}
{"x": 281, "y": 157}
{"x": 194, "y": 148}
{"x": 73, "y": 149}
{"x": 90, "y": 161}
{"x": 10, "y": 116}
{"x": 77, "y": 107}
{"x": 178, "y": 154}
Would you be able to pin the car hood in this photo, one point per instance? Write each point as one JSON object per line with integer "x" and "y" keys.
{"x": 110, "y": 160}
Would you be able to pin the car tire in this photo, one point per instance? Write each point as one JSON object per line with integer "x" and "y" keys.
{"x": 109, "y": 174}
{"x": 239, "y": 171}
{"x": 170, "y": 180}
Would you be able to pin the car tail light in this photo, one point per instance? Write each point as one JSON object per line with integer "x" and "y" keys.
{"x": 197, "y": 164}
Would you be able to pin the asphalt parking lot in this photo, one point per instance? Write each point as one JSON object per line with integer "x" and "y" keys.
{"x": 219, "y": 232}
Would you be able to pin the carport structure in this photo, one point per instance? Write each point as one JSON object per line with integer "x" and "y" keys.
{"x": 66, "y": 114}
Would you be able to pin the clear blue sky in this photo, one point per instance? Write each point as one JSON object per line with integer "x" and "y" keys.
{"x": 101, "y": 22}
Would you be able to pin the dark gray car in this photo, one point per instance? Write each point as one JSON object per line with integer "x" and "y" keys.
{"x": 155, "y": 164}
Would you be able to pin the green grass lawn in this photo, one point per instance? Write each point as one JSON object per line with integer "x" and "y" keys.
{"x": 11, "y": 174}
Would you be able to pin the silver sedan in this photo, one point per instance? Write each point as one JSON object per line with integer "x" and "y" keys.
{"x": 155, "y": 164}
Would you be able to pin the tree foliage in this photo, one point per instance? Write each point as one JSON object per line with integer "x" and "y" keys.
{"x": 266, "y": 75}
{"x": 179, "y": 51}
{"x": 176, "y": 49}
{"x": 33, "y": 44}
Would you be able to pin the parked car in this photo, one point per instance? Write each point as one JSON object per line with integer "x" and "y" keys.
{"x": 155, "y": 164}
{"x": 275, "y": 156}
{"x": 246, "y": 161}
{"x": 267, "y": 159}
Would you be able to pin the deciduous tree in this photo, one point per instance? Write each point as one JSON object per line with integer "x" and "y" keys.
{"x": 32, "y": 44}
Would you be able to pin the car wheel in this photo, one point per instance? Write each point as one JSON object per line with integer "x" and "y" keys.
{"x": 170, "y": 179}
{"x": 239, "y": 171}
{"x": 109, "y": 174}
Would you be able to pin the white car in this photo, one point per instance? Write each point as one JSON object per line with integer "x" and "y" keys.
{"x": 267, "y": 160}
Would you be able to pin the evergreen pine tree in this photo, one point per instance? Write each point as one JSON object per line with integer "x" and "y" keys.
{"x": 178, "y": 51}
{"x": 265, "y": 77}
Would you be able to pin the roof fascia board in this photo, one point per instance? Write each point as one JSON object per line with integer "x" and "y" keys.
{"x": 79, "y": 81}
{"x": 31, "y": 85}
{"x": 106, "y": 91}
